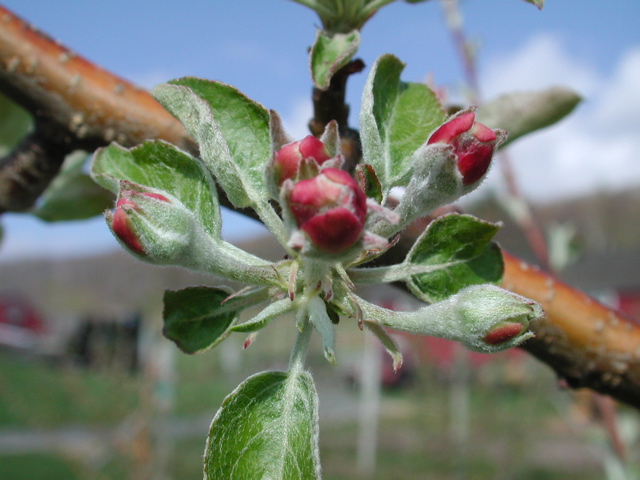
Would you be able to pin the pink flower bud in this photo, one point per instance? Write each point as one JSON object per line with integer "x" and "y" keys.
{"x": 473, "y": 143}
{"x": 289, "y": 158}
{"x": 330, "y": 208}
{"x": 504, "y": 333}
{"x": 121, "y": 223}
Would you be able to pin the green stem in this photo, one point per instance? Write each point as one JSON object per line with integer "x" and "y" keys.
{"x": 224, "y": 260}
{"x": 300, "y": 348}
{"x": 273, "y": 222}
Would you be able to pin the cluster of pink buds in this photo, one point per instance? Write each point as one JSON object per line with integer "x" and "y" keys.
{"x": 473, "y": 144}
{"x": 291, "y": 158}
{"x": 327, "y": 204}
{"x": 330, "y": 208}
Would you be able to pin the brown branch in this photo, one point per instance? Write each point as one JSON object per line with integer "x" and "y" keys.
{"x": 586, "y": 343}
{"x": 75, "y": 104}
{"x": 330, "y": 105}
{"x": 29, "y": 169}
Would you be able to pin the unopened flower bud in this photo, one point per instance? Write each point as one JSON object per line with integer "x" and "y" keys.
{"x": 289, "y": 159}
{"x": 150, "y": 224}
{"x": 494, "y": 318}
{"x": 330, "y": 209}
{"x": 473, "y": 144}
{"x": 121, "y": 223}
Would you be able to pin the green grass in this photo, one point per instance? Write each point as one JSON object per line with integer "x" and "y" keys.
{"x": 38, "y": 395}
{"x": 509, "y": 423}
{"x": 36, "y": 467}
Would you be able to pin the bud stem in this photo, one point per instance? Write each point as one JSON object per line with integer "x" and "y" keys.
{"x": 273, "y": 222}
{"x": 300, "y": 348}
{"x": 220, "y": 258}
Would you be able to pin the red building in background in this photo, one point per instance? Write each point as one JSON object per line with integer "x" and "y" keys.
{"x": 21, "y": 326}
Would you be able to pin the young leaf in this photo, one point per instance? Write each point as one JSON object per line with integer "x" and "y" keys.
{"x": 198, "y": 318}
{"x": 266, "y": 429}
{"x": 269, "y": 313}
{"x": 72, "y": 195}
{"x": 395, "y": 120}
{"x": 537, "y": 3}
{"x": 460, "y": 250}
{"x": 162, "y": 166}
{"x": 330, "y": 53}
{"x": 231, "y": 130}
{"x": 525, "y": 112}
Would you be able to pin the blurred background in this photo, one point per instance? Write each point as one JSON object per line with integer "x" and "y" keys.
{"x": 90, "y": 390}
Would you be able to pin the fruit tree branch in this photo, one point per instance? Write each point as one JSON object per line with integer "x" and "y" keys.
{"x": 74, "y": 104}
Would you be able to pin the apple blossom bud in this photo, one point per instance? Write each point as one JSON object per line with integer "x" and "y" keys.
{"x": 121, "y": 222}
{"x": 484, "y": 318}
{"x": 330, "y": 209}
{"x": 288, "y": 159}
{"x": 503, "y": 333}
{"x": 473, "y": 144}
{"x": 494, "y": 318}
{"x": 151, "y": 225}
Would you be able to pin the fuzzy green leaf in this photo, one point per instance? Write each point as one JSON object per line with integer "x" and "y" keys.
{"x": 231, "y": 130}
{"x": 460, "y": 250}
{"x": 72, "y": 195}
{"x": 266, "y": 429}
{"x": 330, "y": 53}
{"x": 198, "y": 318}
{"x": 525, "y": 112}
{"x": 395, "y": 120}
{"x": 162, "y": 166}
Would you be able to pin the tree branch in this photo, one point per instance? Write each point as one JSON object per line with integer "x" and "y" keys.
{"x": 75, "y": 105}
{"x": 585, "y": 342}
{"x": 80, "y": 106}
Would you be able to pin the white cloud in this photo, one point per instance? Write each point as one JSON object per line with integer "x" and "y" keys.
{"x": 596, "y": 147}
{"x": 541, "y": 62}
{"x": 296, "y": 117}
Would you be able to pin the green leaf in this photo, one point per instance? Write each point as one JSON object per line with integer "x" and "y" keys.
{"x": 15, "y": 123}
{"x": 198, "y": 318}
{"x": 330, "y": 53}
{"x": 525, "y": 112}
{"x": 537, "y": 3}
{"x": 231, "y": 130}
{"x": 72, "y": 195}
{"x": 162, "y": 166}
{"x": 266, "y": 429}
{"x": 395, "y": 120}
{"x": 460, "y": 250}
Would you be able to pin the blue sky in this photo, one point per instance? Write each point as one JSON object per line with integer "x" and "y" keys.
{"x": 592, "y": 46}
